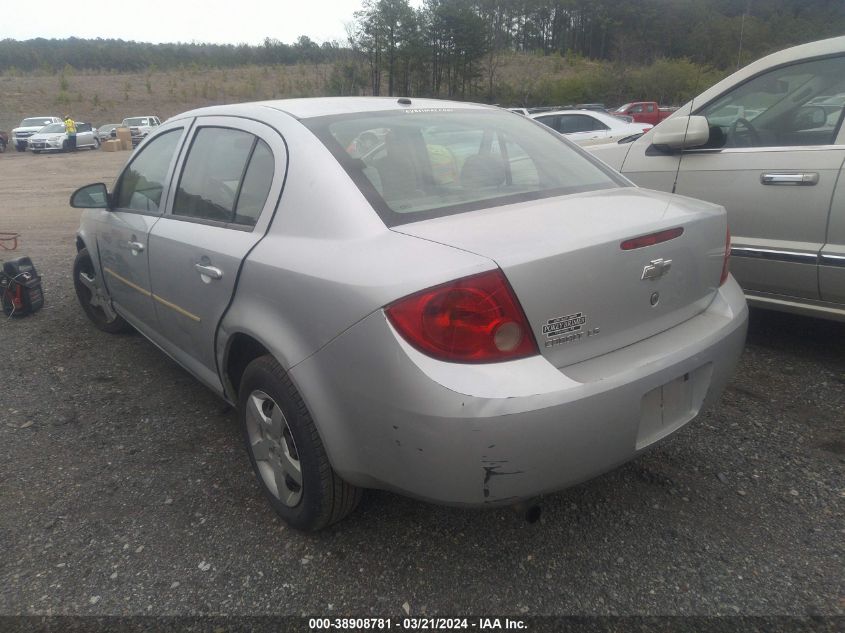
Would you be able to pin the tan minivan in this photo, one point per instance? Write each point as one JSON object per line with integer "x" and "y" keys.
{"x": 767, "y": 143}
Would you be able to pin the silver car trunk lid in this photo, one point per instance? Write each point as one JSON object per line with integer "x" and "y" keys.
{"x": 582, "y": 293}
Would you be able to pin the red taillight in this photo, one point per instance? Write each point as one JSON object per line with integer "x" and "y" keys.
{"x": 727, "y": 260}
{"x": 476, "y": 319}
{"x": 651, "y": 239}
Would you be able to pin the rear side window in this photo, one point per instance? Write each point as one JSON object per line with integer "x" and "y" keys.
{"x": 416, "y": 164}
{"x": 256, "y": 185}
{"x": 142, "y": 182}
{"x": 226, "y": 177}
{"x": 571, "y": 123}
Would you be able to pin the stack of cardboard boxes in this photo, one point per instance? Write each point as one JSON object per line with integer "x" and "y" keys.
{"x": 123, "y": 141}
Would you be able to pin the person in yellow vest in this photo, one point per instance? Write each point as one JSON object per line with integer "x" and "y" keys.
{"x": 70, "y": 128}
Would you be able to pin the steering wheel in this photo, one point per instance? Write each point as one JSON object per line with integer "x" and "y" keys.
{"x": 752, "y": 132}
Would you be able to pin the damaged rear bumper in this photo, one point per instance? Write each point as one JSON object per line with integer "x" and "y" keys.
{"x": 395, "y": 419}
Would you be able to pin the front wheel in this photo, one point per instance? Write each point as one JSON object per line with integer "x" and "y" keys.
{"x": 96, "y": 144}
{"x": 286, "y": 452}
{"x": 93, "y": 298}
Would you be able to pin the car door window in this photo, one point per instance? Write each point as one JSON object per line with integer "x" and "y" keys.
{"x": 256, "y": 185}
{"x": 551, "y": 121}
{"x": 141, "y": 184}
{"x": 212, "y": 175}
{"x": 794, "y": 105}
{"x": 571, "y": 123}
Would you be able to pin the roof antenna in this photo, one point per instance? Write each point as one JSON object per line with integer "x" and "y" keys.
{"x": 742, "y": 32}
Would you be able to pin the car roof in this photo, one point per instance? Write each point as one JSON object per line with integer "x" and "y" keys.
{"x": 327, "y": 106}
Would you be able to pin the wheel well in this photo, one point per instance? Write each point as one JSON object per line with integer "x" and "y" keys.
{"x": 80, "y": 244}
{"x": 243, "y": 349}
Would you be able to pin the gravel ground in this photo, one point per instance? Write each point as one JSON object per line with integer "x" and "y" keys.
{"x": 124, "y": 488}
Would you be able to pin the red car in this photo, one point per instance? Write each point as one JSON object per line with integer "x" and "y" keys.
{"x": 644, "y": 111}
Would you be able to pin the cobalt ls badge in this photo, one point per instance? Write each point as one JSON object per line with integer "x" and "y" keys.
{"x": 566, "y": 329}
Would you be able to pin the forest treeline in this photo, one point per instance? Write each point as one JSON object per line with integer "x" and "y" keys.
{"x": 608, "y": 49}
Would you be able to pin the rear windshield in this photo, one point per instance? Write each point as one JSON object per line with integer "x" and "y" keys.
{"x": 416, "y": 164}
{"x": 136, "y": 121}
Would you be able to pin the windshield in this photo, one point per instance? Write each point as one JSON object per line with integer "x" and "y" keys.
{"x": 37, "y": 122}
{"x": 416, "y": 164}
{"x": 622, "y": 108}
{"x": 136, "y": 121}
{"x": 52, "y": 128}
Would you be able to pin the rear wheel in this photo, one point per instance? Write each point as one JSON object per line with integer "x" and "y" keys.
{"x": 286, "y": 452}
{"x": 93, "y": 298}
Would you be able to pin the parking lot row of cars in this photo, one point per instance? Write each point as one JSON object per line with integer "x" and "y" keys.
{"x": 48, "y": 133}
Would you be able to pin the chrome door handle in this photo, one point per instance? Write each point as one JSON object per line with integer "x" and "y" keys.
{"x": 135, "y": 246}
{"x": 209, "y": 271}
{"x": 809, "y": 178}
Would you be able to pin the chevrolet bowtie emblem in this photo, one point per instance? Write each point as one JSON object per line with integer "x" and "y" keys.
{"x": 656, "y": 268}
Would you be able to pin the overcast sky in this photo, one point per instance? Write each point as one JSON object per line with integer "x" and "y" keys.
{"x": 217, "y": 21}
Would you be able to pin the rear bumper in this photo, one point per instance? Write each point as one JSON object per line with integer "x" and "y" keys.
{"x": 479, "y": 434}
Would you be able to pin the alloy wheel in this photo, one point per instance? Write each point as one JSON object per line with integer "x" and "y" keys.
{"x": 273, "y": 448}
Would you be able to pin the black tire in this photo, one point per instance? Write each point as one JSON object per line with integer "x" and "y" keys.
{"x": 36, "y": 151}
{"x": 325, "y": 498}
{"x": 96, "y": 144}
{"x": 83, "y": 265}
{"x": 2, "y": 146}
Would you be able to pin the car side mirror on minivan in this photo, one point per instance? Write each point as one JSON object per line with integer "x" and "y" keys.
{"x": 681, "y": 132}
{"x": 94, "y": 196}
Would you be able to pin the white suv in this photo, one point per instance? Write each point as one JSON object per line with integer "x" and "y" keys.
{"x": 28, "y": 127}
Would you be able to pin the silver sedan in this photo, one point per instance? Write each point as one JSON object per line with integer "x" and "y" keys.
{"x": 54, "y": 138}
{"x": 435, "y": 298}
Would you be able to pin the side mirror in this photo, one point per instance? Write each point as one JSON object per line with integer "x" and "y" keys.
{"x": 681, "y": 132}
{"x": 94, "y": 196}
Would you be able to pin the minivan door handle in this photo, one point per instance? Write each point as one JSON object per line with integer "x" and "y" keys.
{"x": 805, "y": 179}
{"x": 135, "y": 246}
{"x": 212, "y": 272}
